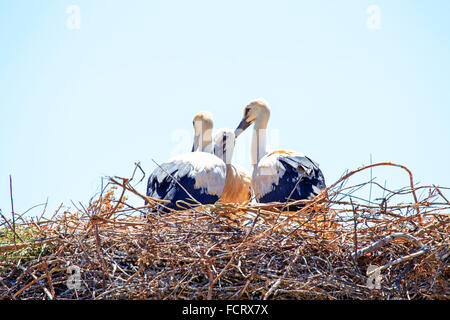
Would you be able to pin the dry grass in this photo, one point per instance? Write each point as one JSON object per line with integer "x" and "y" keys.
{"x": 228, "y": 251}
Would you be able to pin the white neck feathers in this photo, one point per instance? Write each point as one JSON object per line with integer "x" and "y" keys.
{"x": 259, "y": 139}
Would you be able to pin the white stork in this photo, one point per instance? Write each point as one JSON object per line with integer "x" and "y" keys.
{"x": 200, "y": 175}
{"x": 280, "y": 175}
{"x": 238, "y": 185}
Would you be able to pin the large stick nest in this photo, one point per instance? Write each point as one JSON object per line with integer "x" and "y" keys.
{"x": 336, "y": 247}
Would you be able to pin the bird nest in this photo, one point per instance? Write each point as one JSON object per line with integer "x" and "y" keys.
{"x": 336, "y": 247}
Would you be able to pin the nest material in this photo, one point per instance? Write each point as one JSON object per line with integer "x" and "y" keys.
{"x": 336, "y": 247}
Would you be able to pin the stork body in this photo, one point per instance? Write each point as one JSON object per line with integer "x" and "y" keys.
{"x": 280, "y": 175}
{"x": 286, "y": 175}
{"x": 238, "y": 186}
{"x": 199, "y": 175}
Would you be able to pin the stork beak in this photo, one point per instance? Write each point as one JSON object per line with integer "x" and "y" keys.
{"x": 196, "y": 141}
{"x": 241, "y": 127}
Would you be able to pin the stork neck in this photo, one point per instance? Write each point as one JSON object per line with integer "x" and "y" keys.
{"x": 259, "y": 144}
{"x": 207, "y": 145}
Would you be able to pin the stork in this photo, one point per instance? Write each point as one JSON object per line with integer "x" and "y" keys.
{"x": 279, "y": 175}
{"x": 199, "y": 175}
{"x": 238, "y": 187}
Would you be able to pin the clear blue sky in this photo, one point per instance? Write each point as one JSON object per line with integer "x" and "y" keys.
{"x": 79, "y": 104}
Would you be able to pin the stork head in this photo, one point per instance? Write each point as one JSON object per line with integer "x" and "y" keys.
{"x": 224, "y": 141}
{"x": 257, "y": 110}
{"x": 203, "y": 124}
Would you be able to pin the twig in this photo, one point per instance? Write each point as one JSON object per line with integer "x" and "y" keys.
{"x": 12, "y": 208}
{"x": 370, "y": 185}
{"x": 355, "y": 228}
{"x": 440, "y": 193}
{"x": 138, "y": 165}
{"x": 399, "y": 260}
{"x": 11, "y": 247}
{"x": 10, "y": 227}
{"x": 49, "y": 280}
{"x": 384, "y": 241}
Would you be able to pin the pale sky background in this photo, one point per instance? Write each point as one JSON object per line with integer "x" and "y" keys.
{"x": 79, "y": 104}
